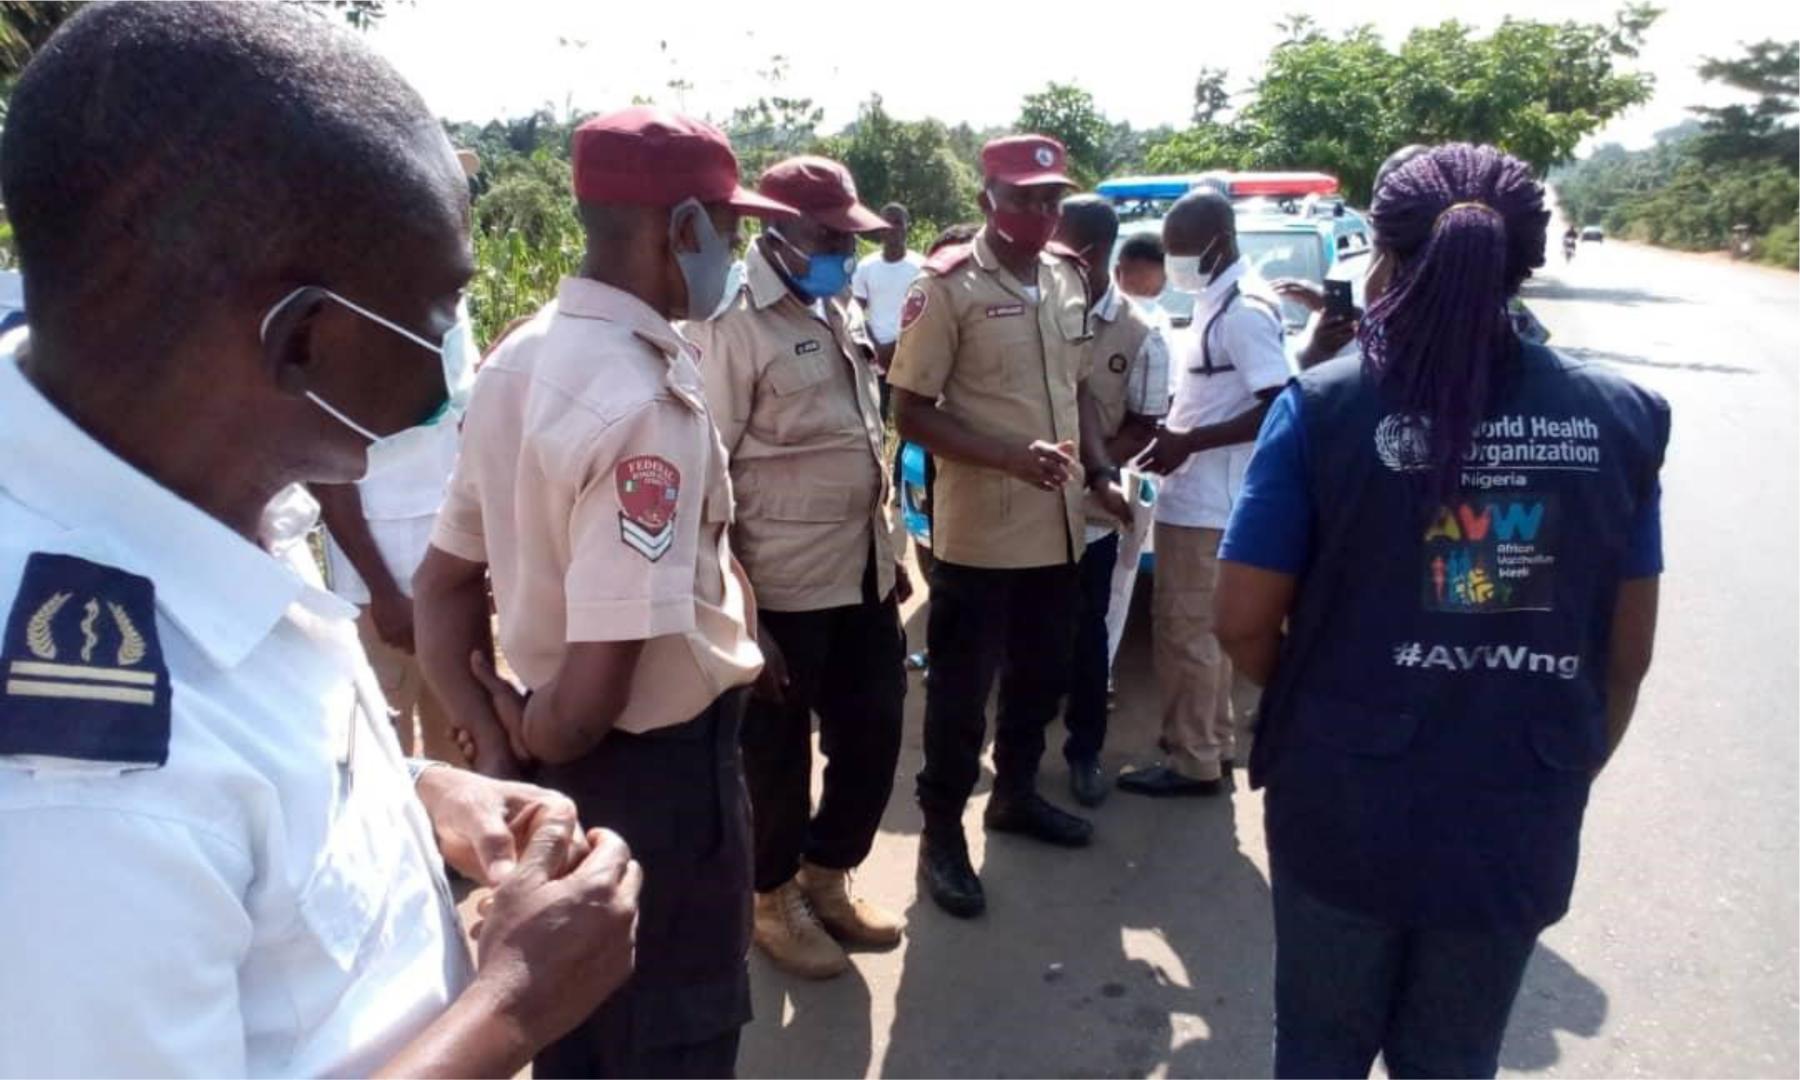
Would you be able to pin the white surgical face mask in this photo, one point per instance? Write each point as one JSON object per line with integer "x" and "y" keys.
{"x": 1184, "y": 271}
{"x": 456, "y": 354}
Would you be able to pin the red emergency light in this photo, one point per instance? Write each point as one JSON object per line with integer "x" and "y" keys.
{"x": 1282, "y": 184}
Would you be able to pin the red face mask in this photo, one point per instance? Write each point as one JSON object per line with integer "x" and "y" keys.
{"x": 1024, "y": 229}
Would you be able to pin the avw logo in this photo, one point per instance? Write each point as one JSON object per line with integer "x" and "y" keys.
{"x": 1508, "y": 521}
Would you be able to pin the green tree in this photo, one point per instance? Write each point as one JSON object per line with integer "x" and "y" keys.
{"x": 24, "y": 27}
{"x": 1702, "y": 181}
{"x": 1127, "y": 148}
{"x": 913, "y": 162}
{"x": 1533, "y": 89}
{"x": 1198, "y": 149}
{"x": 1770, "y": 70}
{"x": 1210, "y": 96}
{"x": 774, "y": 126}
{"x": 1323, "y": 103}
{"x": 1067, "y": 113}
{"x": 1343, "y": 103}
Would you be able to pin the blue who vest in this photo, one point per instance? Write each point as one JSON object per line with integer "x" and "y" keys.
{"x": 1439, "y": 705}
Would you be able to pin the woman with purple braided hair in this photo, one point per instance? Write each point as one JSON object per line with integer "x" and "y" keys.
{"x": 1443, "y": 564}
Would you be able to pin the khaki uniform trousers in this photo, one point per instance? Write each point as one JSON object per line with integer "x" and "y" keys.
{"x": 408, "y": 698}
{"x": 1203, "y": 707}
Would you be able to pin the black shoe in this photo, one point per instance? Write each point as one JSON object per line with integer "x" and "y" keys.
{"x": 1163, "y": 782}
{"x": 1087, "y": 783}
{"x": 945, "y": 872}
{"x": 1032, "y": 815}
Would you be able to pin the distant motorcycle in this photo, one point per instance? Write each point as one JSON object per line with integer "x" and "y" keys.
{"x": 1569, "y": 248}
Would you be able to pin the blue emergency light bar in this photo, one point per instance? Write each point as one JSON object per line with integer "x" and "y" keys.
{"x": 1155, "y": 187}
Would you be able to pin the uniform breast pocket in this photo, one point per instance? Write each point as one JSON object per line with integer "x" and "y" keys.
{"x": 1001, "y": 345}
{"x": 343, "y": 898}
{"x": 793, "y": 375}
{"x": 794, "y": 409}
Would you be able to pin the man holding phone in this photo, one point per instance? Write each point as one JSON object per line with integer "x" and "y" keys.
{"x": 1233, "y": 365}
{"x": 1331, "y": 328}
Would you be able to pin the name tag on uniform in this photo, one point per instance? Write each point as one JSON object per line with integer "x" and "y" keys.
{"x": 84, "y": 674}
{"x": 1001, "y": 311}
{"x": 806, "y": 347}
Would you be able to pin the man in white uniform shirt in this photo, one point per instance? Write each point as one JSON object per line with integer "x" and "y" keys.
{"x": 377, "y": 531}
{"x": 216, "y": 861}
{"x": 1138, "y": 274}
{"x": 1127, "y": 395}
{"x": 1233, "y": 365}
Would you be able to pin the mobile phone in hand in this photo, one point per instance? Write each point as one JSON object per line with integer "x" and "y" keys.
{"x": 1338, "y": 300}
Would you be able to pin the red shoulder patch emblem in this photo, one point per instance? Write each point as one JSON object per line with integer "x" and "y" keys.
{"x": 648, "y": 488}
{"x": 916, "y": 300}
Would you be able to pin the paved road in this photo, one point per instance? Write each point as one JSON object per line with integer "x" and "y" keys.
{"x": 1149, "y": 953}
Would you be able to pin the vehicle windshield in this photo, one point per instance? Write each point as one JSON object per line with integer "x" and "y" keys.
{"x": 1285, "y": 254}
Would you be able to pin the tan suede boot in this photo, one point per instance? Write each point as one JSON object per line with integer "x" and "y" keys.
{"x": 852, "y": 921}
{"x": 789, "y": 933}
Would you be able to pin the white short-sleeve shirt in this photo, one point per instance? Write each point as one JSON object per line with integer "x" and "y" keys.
{"x": 1248, "y": 356}
{"x": 882, "y": 285}
{"x": 269, "y": 900}
{"x": 400, "y": 502}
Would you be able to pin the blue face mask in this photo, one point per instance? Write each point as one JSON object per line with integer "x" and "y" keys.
{"x": 826, "y": 274}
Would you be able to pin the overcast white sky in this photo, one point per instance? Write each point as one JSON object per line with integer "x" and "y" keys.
{"x": 479, "y": 59}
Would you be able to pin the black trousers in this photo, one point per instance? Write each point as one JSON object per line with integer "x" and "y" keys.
{"x": 1085, "y": 714}
{"x": 677, "y": 797}
{"x": 847, "y": 664}
{"x": 1018, "y": 624}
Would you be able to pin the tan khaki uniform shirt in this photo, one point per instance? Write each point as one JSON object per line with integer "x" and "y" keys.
{"x": 1007, "y": 365}
{"x": 593, "y": 484}
{"x": 797, "y": 406}
{"x": 1130, "y": 375}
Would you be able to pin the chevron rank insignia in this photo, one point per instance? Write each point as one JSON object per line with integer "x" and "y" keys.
{"x": 82, "y": 670}
{"x": 649, "y": 487}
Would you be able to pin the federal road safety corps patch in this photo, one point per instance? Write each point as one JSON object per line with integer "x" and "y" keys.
{"x": 83, "y": 669}
{"x": 648, "y": 487}
{"x": 1116, "y": 363}
{"x": 915, "y": 306}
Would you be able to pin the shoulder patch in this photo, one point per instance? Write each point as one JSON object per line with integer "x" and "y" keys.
{"x": 84, "y": 672}
{"x": 946, "y": 259}
{"x": 916, "y": 301}
{"x": 1063, "y": 251}
{"x": 648, "y": 487}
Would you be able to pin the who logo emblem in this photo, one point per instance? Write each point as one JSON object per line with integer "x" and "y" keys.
{"x": 1403, "y": 442}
